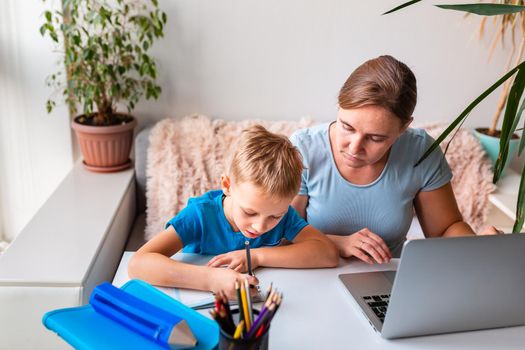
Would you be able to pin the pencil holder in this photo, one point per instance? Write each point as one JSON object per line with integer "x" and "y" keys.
{"x": 227, "y": 342}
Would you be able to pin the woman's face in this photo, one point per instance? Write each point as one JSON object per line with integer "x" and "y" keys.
{"x": 363, "y": 136}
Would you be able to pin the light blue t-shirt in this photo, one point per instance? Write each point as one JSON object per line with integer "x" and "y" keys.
{"x": 385, "y": 206}
{"x": 204, "y": 229}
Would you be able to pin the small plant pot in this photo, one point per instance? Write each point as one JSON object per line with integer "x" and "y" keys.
{"x": 491, "y": 146}
{"x": 105, "y": 148}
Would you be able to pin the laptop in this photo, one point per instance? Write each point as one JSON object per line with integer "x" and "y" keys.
{"x": 445, "y": 285}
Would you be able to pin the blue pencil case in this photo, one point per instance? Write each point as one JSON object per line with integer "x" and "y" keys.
{"x": 85, "y": 327}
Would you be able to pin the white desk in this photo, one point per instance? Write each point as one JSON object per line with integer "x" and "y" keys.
{"x": 317, "y": 313}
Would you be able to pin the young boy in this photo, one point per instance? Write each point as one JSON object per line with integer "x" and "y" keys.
{"x": 254, "y": 206}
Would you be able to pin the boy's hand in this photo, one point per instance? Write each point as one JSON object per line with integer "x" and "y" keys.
{"x": 235, "y": 260}
{"x": 223, "y": 280}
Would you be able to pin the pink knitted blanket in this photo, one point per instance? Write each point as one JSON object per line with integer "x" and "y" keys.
{"x": 187, "y": 156}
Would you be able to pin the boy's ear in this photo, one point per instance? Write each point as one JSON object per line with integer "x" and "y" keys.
{"x": 225, "y": 184}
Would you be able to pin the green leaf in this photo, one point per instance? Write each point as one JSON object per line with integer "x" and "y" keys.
{"x": 507, "y": 130}
{"x": 522, "y": 141}
{"x": 467, "y": 110}
{"x": 516, "y": 121}
{"x": 484, "y": 9}
{"x": 408, "y": 3}
{"x": 164, "y": 17}
{"x": 76, "y": 39}
{"x": 49, "y": 106}
{"x": 48, "y": 15}
{"x": 520, "y": 206}
{"x": 88, "y": 54}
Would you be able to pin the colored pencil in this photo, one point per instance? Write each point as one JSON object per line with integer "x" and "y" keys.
{"x": 248, "y": 257}
{"x": 239, "y": 330}
{"x": 245, "y": 306}
{"x": 239, "y": 301}
{"x": 248, "y": 303}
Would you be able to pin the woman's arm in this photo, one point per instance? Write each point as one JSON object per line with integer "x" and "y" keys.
{"x": 439, "y": 216}
{"x": 364, "y": 244}
{"x": 152, "y": 263}
{"x": 299, "y": 203}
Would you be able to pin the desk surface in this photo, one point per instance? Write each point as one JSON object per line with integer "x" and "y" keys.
{"x": 318, "y": 313}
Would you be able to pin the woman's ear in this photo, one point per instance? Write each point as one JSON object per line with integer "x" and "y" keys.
{"x": 407, "y": 124}
{"x": 225, "y": 184}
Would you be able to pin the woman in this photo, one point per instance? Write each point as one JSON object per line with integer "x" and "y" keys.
{"x": 360, "y": 186}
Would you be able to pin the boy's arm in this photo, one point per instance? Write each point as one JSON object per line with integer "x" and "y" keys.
{"x": 310, "y": 249}
{"x": 152, "y": 263}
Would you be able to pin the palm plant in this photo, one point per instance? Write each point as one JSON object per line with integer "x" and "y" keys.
{"x": 511, "y": 13}
{"x": 505, "y": 23}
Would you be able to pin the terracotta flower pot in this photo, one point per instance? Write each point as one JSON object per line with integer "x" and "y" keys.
{"x": 105, "y": 148}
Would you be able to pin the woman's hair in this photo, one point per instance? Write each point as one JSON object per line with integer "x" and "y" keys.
{"x": 384, "y": 82}
{"x": 267, "y": 160}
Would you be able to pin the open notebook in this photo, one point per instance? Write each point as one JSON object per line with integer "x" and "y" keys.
{"x": 192, "y": 298}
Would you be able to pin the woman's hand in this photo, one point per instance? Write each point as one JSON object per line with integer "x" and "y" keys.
{"x": 489, "y": 230}
{"x": 235, "y": 260}
{"x": 223, "y": 280}
{"x": 364, "y": 245}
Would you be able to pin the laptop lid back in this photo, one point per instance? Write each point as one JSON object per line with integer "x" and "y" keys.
{"x": 456, "y": 284}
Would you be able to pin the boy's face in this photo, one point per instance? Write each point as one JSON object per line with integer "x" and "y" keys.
{"x": 250, "y": 210}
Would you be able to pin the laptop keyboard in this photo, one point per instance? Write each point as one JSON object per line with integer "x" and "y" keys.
{"x": 378, "y": 304}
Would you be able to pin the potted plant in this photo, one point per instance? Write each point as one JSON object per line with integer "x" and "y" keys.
{"x": 506, "y": 23}
{"x": 513, "y": 107}
{"x": 104, "y": 47}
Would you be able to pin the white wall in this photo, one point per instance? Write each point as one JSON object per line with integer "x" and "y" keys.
{"x": 235, "y": 59}
{"x": 274, "y": 59}
{"x": 35, "y": 148}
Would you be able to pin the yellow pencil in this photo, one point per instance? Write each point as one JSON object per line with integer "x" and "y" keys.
{"x": 248, "y": 302}
{"x": 238, "y": 330}
{"x": 245, "y": 307}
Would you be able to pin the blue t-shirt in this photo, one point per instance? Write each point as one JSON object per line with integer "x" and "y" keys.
{"x": 385, "y": 206}
{"x": 204, "y": 229}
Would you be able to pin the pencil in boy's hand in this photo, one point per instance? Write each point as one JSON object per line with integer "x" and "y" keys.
{"x": 248, "y": 257}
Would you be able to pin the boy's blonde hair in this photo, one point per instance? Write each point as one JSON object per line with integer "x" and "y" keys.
{"x": 267, "y": 160}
